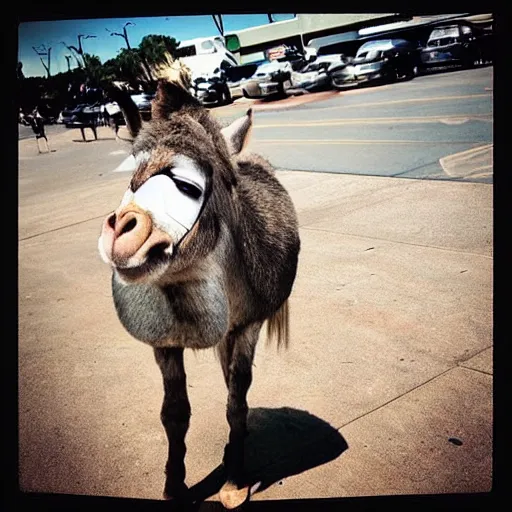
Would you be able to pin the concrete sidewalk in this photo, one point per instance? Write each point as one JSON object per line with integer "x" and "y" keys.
{"x": 391, "y": 348}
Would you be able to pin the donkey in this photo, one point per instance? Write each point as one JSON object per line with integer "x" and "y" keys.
{"x": 204, "y": 249}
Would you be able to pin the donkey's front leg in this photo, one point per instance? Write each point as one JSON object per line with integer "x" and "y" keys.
{"x": 175, "y": 417}
{"x": 237, "y": 356}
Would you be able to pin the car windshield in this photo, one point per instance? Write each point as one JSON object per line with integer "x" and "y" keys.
{"x": 439, "y": 33}
{"x": 268, "y": 67}
{"x": 374, "y": 46}
{"x": 317, "y": 66}
{"x": 237, "y": 73}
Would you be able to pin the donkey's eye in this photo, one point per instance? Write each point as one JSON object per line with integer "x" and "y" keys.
{"x": 183, "y": 185}
{"x": 187, "y": 188}
{"x": 166, "y": 171}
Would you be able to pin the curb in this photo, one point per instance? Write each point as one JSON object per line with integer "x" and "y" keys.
{"x": 477, "y": 162}
{"x": 284, "y": 104}
{"x": 295, "y": 101}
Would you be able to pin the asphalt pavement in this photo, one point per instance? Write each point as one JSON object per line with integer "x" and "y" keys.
{"x": 402, "y": 129}
{"x": 386, "y": 388}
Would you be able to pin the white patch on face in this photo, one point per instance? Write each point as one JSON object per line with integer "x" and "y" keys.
{"x": 174, "y": 202}
{"x": 127, "y": 198}
{"x": 173, "y": 209}
{"x": 169, "y": 199}
{"x": 131, "y": 163}
{"x": 101, "y": 250}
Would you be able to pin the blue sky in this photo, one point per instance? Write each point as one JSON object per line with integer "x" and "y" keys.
{"x": 105, "y": 46}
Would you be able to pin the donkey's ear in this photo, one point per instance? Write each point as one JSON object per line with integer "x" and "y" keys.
{"x": 128, "y": 108}
{"x": 237, "y": 133}
{"x": 170, "y": 97}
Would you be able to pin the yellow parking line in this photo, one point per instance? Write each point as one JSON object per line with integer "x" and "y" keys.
{"x": 468, "y": 152}
{"x": 483, "y": 168}
{"x": 357, "y": 141}
{"x": 379, "y": 120}
{"x": 409, "y": 100}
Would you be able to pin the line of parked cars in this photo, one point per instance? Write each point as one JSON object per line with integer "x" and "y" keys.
{"x": 100, "y": 112}
{"x": 459, "y": 43}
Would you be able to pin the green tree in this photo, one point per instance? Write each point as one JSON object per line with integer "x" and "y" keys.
{"x": 93, "y": 67}
{"x": 129, "y": 65}
{"x": 111, "y": 70}
{"x": 155, "y": 47}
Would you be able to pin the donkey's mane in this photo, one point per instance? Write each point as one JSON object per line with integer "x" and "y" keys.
{"x": 171, "y": 70}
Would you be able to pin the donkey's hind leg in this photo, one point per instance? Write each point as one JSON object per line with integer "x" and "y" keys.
{"x": 175, "y": 416}
{"x": 237, "y": 354}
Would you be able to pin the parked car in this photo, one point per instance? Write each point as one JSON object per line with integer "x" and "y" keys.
{"x": 71, "y": 115}
{"x": 459, "y": 43}
{"x": 82, "y": 113}
{"x": 236, "y": 76}
{"x": 316, "y": 74}
{"x": 75, "y": 115}
{"x": 143, "y": 102}
{"x": 211, "y": 90}
{"x": 383, "y": 60}
{"x": 270, "y": 79}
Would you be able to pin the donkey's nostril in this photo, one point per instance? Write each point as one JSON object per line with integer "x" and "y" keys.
{"x": 133, "y": 228}
{"x": 112, "y": 221}
{"x": 128, "y": 226}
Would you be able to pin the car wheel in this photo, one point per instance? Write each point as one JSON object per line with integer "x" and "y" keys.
{"x": 411, "y": 72}
{"x": 479, "y": 61}
{"x": 341, "y": 85}
{"x": 226, "y": 96}
{"x": 392, "y": 76}
{"x": 280, "y": 90}
{"x": 469, "y": 63}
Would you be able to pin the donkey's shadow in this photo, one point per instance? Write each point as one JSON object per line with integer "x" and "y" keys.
{"x": 281, "y": 443}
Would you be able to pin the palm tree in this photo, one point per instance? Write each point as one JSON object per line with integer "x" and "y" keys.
{"x": 137, "y": 54}
{"x": 93, "y": 67}
{"x": 129, "y": 64}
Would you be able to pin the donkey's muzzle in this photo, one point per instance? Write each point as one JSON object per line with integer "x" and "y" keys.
{"x": 129, "y": 234}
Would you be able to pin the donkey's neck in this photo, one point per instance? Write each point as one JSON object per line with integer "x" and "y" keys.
{"x": 192, "y": 309}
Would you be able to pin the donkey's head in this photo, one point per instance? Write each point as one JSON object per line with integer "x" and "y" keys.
{"x": 181, "y": 191}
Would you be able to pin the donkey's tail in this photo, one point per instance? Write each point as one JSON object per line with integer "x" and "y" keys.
{"x": 278, "y": 327}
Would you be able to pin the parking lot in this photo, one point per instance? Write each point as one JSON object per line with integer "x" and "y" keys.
{"x": 387, "y": 386}
{"x": 409, "y": 126}
{"x": 429, "y": 127}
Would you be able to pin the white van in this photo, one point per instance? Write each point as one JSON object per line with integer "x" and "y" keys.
{"x": 207, "y": 57}
{"x": 199, "y": 49}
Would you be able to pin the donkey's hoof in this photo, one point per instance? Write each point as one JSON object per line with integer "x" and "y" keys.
{"x": 231, "y": 496}
{"x": 177, "y": 495}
